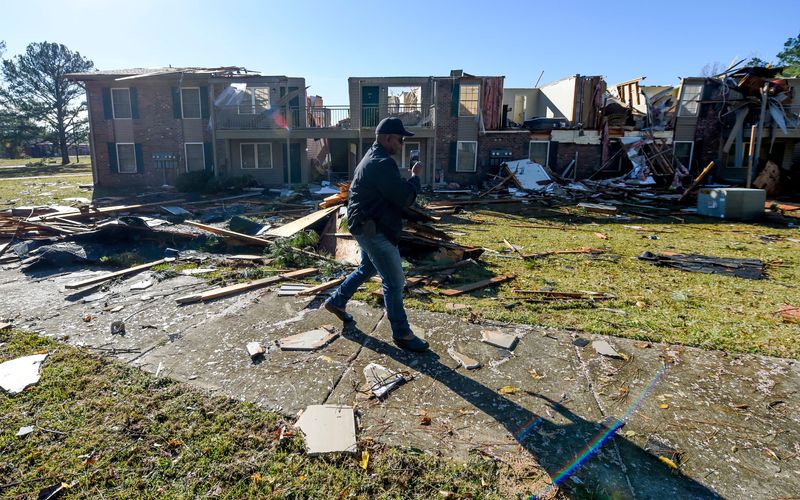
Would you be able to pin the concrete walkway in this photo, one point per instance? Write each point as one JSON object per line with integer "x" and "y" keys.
{"x": 728, "y": 422}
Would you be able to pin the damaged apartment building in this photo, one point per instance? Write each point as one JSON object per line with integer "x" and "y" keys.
{"x": 148, "y": 127}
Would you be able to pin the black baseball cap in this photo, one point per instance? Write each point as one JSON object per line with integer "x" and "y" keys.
{"x": 392, "y": 125}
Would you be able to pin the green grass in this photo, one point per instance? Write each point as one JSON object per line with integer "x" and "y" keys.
{"x": 106, "y": 428}
{"x": 55, "y": 182}
{"x": 44, "y": 190}
{"x": 658, "y": 304}
{"x": 30, "y": 167}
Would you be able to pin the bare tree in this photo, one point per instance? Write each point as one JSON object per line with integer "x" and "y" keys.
{"x": 712, "y": 69}
{"x": 37, "y": 86}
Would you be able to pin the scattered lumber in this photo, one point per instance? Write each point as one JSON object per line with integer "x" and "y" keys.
{"x": 477, "y": 285}
{"x": 298, "y": 225}
{"x": 549, "y": 295}
{"x": 215, "y": 293}
{"x": 598, "y": 208}
{"x": 339, "y": 198}
{"x": 457, "y": 203}
{"x": 314, "y": 290}
{"x": 230, "y": 234}
{"x": 586, "y": 250}
{"x": 117, "y": 274}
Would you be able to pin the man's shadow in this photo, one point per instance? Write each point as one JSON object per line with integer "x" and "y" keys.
{"x": 558, "y": 449}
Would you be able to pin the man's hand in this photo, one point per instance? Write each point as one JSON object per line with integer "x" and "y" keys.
{"x": 417, "y": 169}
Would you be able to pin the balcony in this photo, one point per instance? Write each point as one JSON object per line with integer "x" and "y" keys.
{"x": 412, "y": 115}
{"x": 249, "y": 117}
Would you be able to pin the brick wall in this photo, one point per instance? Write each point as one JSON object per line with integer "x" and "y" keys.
{"x": 156, "y": 130}
{"x": 590, "y": 157}
{"x": 708, "y": 130}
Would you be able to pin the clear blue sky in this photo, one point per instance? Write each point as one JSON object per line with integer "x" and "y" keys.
{"x": 326, "y": 42}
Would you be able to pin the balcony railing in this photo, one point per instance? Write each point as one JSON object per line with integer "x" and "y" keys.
{"x": 249, "y": 117}
{"x": 412, "y": 115}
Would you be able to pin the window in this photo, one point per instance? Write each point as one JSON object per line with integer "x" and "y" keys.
{"x": 256, "y": 155}
{"x": 190, "y": 102}
{"x": 195, "y": 155}
{"x": 690, "y": 99}
{"x": 121, "y": 103}
{"x": 539, "y": 152}
{"x": 468, "y": 99}
{"x": 682, "y": 152}
{"x": 466, "y": 156}
{"x": 255, "y": 100}
{"x": 126, "y": 158}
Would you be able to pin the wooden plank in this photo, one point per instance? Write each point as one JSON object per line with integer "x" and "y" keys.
{"x": 563, "y": 252}
{"x": 598, "y": 208}
{"x": 321, "y": 288}
{"x": 215, "y": 293}
{"x": 700, "y": 178}
{"x": 294, "y": 227}
{"x": 117, "y": 274}
{"x": 475, "y": 286}
{"x": 566, "y": 295}
{"x": 456, "y": 203}
{"x": 230, "y": 234}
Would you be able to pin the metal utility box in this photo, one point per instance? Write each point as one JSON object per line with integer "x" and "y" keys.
{"x": 731, "y": 203}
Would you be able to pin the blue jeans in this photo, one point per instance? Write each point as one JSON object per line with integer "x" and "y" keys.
{"x": 380, "y": 255}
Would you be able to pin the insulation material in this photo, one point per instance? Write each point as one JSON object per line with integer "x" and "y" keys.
{"x": 529, "y": 175}
{"x": 17, "y": 374}
{"x": 492, "y": 102}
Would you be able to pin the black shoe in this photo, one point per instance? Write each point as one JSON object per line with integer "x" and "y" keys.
{"x": 412, "y": 343}
{"x": 339, "y": 312}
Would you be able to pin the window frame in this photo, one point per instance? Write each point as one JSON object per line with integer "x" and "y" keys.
{"x": 547, "y": 154}
{"x": 119, "y": 163}
{"x": 199, "y": 105}
{"x": 252, "y": 106}
{"x": 255, "y": 156}
{"x": 114, "y": 108}
{"x": 682, "y": 111}
{"x": 691, "y": 152}
{"x": 458, "y": 153}
{"x": 186, "y": 155}
{"x": 477, "y": 100}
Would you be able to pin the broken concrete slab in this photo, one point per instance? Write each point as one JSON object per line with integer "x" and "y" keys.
{"x": 309, "y": 341}
{"x": 142, "y": 285}
{"x": 328, "y": 429}
{"x": 604, "y": 348}
{"x": 499, "y": 339}
{"x": 19, "y": 373}
{"x": 210, "y": 352}
{"x": 463, "y": 359}
{"x": 255, "y": 349}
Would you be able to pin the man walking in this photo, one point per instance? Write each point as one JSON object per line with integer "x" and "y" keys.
{"x": 378, "y": 196}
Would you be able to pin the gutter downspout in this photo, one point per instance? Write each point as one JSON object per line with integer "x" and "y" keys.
{"x": 213, "y": 124}
{"x": 434, "y": 119}
{"x": 91, "y": 137}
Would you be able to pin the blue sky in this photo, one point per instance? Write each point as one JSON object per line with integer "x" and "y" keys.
{"x": 326, "y": 42}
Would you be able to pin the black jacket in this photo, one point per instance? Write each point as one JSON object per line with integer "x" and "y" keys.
{"x": 378, "y": 195}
